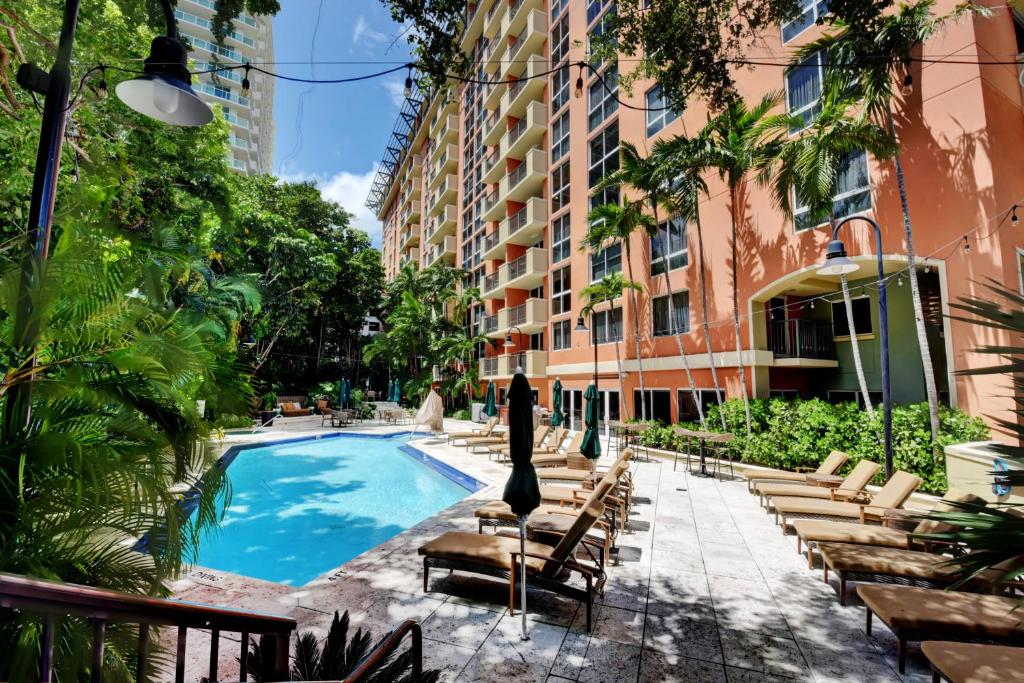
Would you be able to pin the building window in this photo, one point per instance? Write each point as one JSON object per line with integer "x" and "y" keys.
{"x": 557, "y": 6}
{"x": 606, "y": 262}
{"x": 561, "y": 335}
{"x": 853, "y": 193}
{"x": 560, "y": 187}
{"x": 803, "y": 90}
{"x": 560, "y": 88}
{"x": 657, "y": 115}
{"x": 609, "y": 195}
{"x": 861, "y": 317}
{"x": 606, "y": 326}
{"x": 560, "y": 137}
{"x": 602, "y": 97}
{"x": 594, "y": 8}
{"x": 604, "y": 153}
{"x": 811, "y": 11}
{"x": 560, "y": 40}
{"x": 561, "y": 294}
{"x": 680, "y": 321}
{"x": 671, "y": 243}
{"x": 657, "y": 405}
{"x": 560, "y": 246}
{"x": 688, "y": 409}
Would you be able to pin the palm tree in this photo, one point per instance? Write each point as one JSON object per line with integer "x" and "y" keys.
{"x": 653, "y": 177}
{"x": 615, "y": 224}
{"x": 873, "y": 53}
{"x": 687, "y": 158}
{"x": 609, "y": 288}
{"x": 808, "y": 167}
{"x": 742, "y": 140}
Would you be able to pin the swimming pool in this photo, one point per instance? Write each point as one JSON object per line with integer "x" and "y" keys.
{"x": 303, "y": 507}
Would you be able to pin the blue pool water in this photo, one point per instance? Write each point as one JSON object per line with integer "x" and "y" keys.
{"x": 302, "y": 508}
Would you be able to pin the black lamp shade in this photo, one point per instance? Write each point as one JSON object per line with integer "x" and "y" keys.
{"x": 164, "y": 92}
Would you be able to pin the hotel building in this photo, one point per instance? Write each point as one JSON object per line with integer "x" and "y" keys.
{"x": 499, "y": 179}
{"x": 251, "y": 115}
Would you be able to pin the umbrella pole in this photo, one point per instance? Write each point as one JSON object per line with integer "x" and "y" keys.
{"x": 522, "y": 569}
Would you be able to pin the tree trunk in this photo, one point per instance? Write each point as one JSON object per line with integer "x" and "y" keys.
{"x": 672, "y": 328}
{"x": 622, "y": 386}
{"x": 736, "y": 310}
{"x": 704, "y": 314}
{"x": 636, "y": 335}
{"x": 855, "y": 347}
{"x": 922, "y": 336}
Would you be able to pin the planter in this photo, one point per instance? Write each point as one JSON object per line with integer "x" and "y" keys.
{"x": 970, "y": 467}
{"x": 267, "y": 417}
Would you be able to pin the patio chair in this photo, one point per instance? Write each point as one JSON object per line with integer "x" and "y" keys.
{"x": 853, "y": 484}
{"x": 869, "y": 509}
{"x": 486, "y": 430}
{"x": 548, "y": 568}
{"x": 919, "y": 614}
{"x": 323, "y": 409}
{"x": 810, "y": 532}
{"x": 973, "y": 662}
{"x": 539, "y": 434}
{"x": 571, "y": 455}
{"x": 580, "y": 474}
{"x": 829, "y": 465}
{"x": 622, "y": 490}
{"x": 341, "y": 418}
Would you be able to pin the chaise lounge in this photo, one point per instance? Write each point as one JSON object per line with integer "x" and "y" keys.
{"x": 486, "y": 430}
{"x": 853, "y": 485}
{"x": 870, "y": 509}
{"x": 829, "y": 465}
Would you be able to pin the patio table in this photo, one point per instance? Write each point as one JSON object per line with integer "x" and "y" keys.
{"x": 831, "y": 481}
{"x": 702, "y": 438}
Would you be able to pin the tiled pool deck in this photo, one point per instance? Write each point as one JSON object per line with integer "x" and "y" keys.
{"x": 706, "y": 589}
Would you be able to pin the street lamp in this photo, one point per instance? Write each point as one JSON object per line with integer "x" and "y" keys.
{"x": 837, "y": 263}
{"x": 581, "y": 327}
{"x": 511, "y": 344}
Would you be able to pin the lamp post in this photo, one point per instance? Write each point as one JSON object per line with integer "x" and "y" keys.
{"x": 510, "y": 344}
{"x": 837, "y": 263}
{"x": 581, "y": 327}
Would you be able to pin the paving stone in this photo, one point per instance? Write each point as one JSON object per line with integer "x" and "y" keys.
{"x": 656, "y": 667}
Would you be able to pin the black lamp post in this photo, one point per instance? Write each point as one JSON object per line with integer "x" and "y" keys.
{"x": 510, "y": 344}
{"x": 837, "y": 263}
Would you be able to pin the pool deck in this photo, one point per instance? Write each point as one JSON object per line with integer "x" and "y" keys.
{"x": 706, "y": 589}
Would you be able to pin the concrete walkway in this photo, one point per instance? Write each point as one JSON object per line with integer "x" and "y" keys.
{"x": 706, "y": 589}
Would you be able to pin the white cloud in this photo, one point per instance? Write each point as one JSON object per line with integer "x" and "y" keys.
{"x": 363, "y": 33}
{"x": 347, "y": 189}
{"x": 395, "y": 88}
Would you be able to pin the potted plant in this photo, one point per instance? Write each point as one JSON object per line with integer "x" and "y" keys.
{"x": 268, "y": 413}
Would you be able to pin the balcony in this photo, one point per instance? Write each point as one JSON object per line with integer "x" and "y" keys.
{"x": 445, "y": 251}
{"x": 493, "y": 207}
{"x": 527, "y": 179}
{"x": 526, "y": 272}
{"x": 535, "y": 364}
{"x": 521, "y": 93}
{"x": 410, "y": 213}
{"x": 446, "y": 193}
{"x": 445, "y": 122}
{"x": 527, "y": 131}
{"x": 493, "y": 94}
{"x": 441, "y": 225}
{"x": 491, "y": 56}
{"x": 530, "y": 30}
{"x": 520, "y": 13}
{"x": 492, "y": 168}
{"x": 799, "y": 339}
{"x": 524, "y": 227}
{"x": 530, "y": 316}
{"x": 446, "y": 161}
{"x": 416, "y": 166}
{"x": 410, "y": 237}
{"x": 412, "y": 256}
{"x": 492, "y": 19}
{"x": 494, "y": 127}
{"x": 475, "y": 22}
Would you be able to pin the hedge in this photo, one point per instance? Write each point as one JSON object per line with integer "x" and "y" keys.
{"x": 794, "y": 433}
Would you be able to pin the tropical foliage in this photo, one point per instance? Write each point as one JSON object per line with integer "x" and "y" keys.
{"x": 606, "y": 291}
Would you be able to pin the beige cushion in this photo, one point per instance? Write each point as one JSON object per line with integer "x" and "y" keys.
{"x": 896, "y": 491}
{"x": 567, "y": 473}
{"x": 823, "y": 531}
{"x": 485, "y": 549}
{"x": 859, "y": 476}
{"x": 929, "y": 526}
{"x": 847, "y": 557}
{"x": 499, "y": 509}
{"x": 942, "y": 613}
{"x": 802, "y": 491}
{"x": 814, "y": 506}
{"x": 776, "y": 475}
{"x": 973, "y": 663}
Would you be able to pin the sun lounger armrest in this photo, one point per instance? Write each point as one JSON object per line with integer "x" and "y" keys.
{"x": 804, "y": 468}
{"x": 869, "y": 513}
{"x": 568, "y": 563}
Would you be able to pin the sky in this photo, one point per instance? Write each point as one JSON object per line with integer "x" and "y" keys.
{"x": 334, "y": 135}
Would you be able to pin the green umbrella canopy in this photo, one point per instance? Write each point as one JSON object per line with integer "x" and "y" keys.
{"x": 556, "y": 404}
{"x": 348, "y": 391}
{"x": 341, "y": 392}
{"x": 591, "y": 446}
{"x": 398, "y": 392}
{"x": 490, "y": 408}
{"x": 522, "y": 492}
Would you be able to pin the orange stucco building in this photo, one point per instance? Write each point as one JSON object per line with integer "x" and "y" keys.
{"x": 498, "y": 180}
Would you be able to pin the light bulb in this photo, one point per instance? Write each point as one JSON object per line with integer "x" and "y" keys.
{"x": 967, "y": 245}
{"x": 166, "y": 98}
{"x": 927, "y": 269}
{"x": 1013, "y": 216}
{"x": 908, "y": 85}
{"x": 899, "y": 281}
{"x": 579, "y": 86}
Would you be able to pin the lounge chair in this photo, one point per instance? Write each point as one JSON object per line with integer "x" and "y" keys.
{"x": 578, "y": 474}
{"x": 919, "y": 614}
{"x": 495, "y": 439}
{"x": 572, "y": 451}
{"x": 486, "y": 430}
{"x": 893, "y": 495}
{"x": 539, "y": 449}
{"x": 567, "y": 495}
{"x": 829, "y": 465}
{"x": 810, "y": 532}
{"x": 539, "y": 434}
{"x": 973, "y": 662}
{"x": 854, "y": 483}
{"x": 547, "y": 567}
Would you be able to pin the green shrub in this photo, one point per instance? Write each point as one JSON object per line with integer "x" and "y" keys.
{"x": 231, "y": 422}
{"x": 462, "y": 414}
{"x": 801, "y": 433}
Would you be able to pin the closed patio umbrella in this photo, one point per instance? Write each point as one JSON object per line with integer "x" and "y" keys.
{"x": 490, "y": 407}
{"x": 556, "y": 404}
{"x": 391, "y": 390}
{"x": 341, "y": 393}
{"x": 348, "y": 391}
{"x": 591, "y": 446}
{"x": 398, "y": 392}
{"x": 522, "y": 492}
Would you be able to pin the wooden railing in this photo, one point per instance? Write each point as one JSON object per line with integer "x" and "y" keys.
{"x": 56, "y": 600}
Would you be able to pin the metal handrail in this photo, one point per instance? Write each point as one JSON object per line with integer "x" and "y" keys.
{"x": 380, "y": 654}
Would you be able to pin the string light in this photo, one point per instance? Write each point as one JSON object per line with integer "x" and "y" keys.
{"x": 579, "y": 83}
{"x": 101, "y": 89}
{"x": 967, "y": 245}
{"x": 908, "y": 85}
{"x": 1013, "y": 216}
{"x": 245, "y": 80}
{"x": 408, "y": 82}
{"x": 899, "y": 281}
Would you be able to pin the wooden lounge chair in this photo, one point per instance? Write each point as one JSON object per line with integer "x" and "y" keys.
{"x": 561, "y": 459}
{"x": 486, "y": 430}
{"x": 973, "y": 662}
{"x": 870, "y": 509}
{"x": 829, "y": 465}
{"x": 539, "y": 449}
{"x": 919, "y": 614}
{"x": 495, "y": 439}
{"x": 810, "y": 532}
{"x": 577, "y": 474}
{"x": 854, "y": 483}
{"x": 549, "y": 568}
{"x": 539, "y": 434}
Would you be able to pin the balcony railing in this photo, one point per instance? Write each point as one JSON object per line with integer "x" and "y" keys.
{"x": 491, "y": 240}
{"x": 802, "y": 339}
{"x": 490, "y": 324}
{"x": 489, "y": 366}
